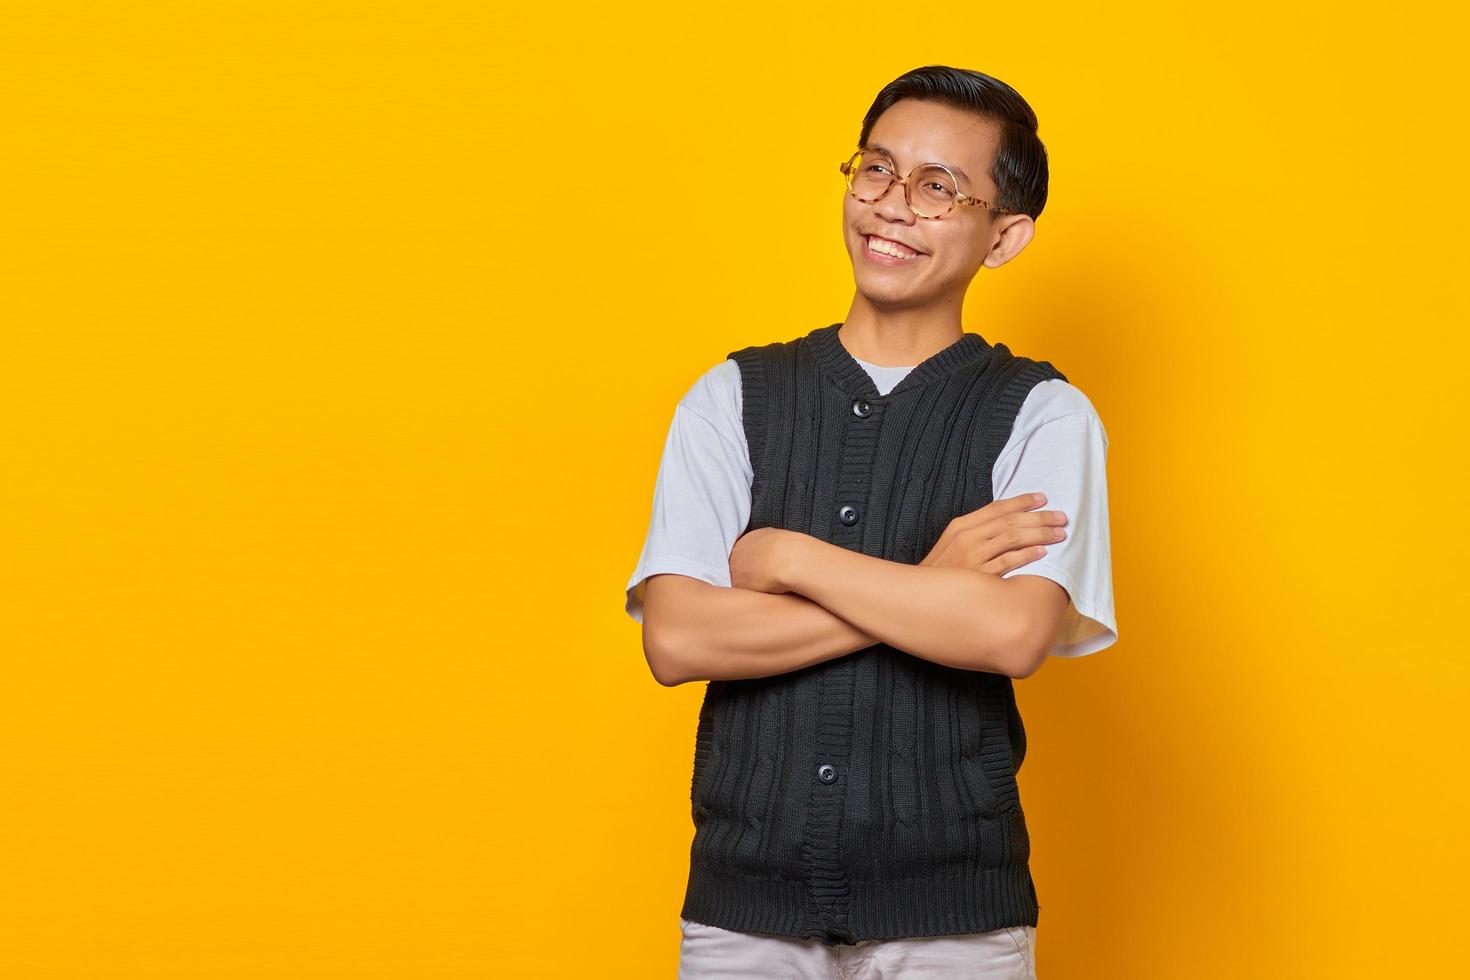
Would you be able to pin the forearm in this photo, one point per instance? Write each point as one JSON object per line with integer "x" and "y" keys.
{"x": 706, "y": 632}
{"x": 959, "y": 617}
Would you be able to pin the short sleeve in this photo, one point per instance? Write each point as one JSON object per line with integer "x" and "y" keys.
{"x": 701, "y": 497}
{"x": 1065, "y": 457}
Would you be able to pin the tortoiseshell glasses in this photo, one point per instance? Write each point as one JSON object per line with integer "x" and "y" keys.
{"x": 930, "y": 190}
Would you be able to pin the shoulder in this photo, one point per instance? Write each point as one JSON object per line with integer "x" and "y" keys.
{"x": 1019, "y": 368}
{"x": 715, "y": 397}
{"x": 713, "y": 385}
{"x": 1049, "y": 394}
{"x": 1061, "y": 412}
{"x": 1055, "y": 398}
{"x": 758, "y": 355}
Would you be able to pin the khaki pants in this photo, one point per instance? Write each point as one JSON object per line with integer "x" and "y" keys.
{"x": 711, "y": 953}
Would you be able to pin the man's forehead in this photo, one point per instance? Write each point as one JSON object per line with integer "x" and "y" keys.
{"x": 964, "y": 142}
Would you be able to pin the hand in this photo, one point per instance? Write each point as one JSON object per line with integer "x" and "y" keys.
{"x": 1002, "y": 535}
{"x": 756, "y": 560}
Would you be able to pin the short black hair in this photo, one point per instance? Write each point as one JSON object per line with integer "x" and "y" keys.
{"x": 1019, "y": 169}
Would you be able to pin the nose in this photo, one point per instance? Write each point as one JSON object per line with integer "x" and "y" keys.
{"x": 894, "y": 204}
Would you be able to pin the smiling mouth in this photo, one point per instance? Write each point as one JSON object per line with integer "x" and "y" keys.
{"x": 882, "y": 248}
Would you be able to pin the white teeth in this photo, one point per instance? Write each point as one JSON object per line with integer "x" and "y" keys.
{"x": 888, "y": 248}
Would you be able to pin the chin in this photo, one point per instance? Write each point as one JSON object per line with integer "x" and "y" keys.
{"x": 886, "y": 297}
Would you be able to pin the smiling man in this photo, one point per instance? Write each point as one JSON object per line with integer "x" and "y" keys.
{"x": 849, "y": 545}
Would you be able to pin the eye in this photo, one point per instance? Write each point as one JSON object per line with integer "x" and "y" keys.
{"x": 876, "y": 166}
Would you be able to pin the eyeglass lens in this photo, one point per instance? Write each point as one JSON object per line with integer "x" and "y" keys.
{"x": 932, "y": 190}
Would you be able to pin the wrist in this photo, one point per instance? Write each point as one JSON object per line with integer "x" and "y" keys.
{"x": 791, "y": 553}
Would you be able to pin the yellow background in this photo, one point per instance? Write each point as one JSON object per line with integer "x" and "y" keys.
{"x": 340, "y": 343}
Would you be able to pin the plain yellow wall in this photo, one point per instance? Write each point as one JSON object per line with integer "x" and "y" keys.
{"x": 340, "y": 343}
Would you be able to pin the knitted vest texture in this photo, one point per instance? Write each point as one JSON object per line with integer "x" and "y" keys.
{"x": 872, "y": 796}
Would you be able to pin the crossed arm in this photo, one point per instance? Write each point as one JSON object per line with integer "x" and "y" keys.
{"x": 797, "y": 600}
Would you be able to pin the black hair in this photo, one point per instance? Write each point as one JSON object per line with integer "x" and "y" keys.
{"x": 1019, "y": 169}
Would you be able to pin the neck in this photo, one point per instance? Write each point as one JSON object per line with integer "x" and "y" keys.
{"x": 897, "y": 337}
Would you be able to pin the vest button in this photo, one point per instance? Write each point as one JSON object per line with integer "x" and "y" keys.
{"x": 827, "y": 774}
{"x": 861, "y": 408}
{"x": 847, "y": 514}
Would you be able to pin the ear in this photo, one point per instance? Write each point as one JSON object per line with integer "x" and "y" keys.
{"x": 1012, "y": 232}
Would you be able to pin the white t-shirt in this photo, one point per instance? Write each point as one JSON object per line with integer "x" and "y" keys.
{"x": 702, "y": 499}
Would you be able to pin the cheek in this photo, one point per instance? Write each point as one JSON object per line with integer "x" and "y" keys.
{"x": 849, "y": 227}
{"x": 959, "y": 252}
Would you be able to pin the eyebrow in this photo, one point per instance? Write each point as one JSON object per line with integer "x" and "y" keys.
{"x": 890, "y": 155}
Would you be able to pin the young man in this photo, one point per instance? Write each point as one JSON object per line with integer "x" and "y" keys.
{"x": 848, "y": 544}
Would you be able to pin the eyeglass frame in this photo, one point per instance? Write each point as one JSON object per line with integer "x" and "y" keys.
{"x": 960, "y": 196}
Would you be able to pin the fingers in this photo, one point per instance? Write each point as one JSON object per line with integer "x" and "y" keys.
{"x": 1016, "y": 520}
{"x": 1007, "y": 509}
{"x": 1002, "y": 534}
{"x": 1026, "y": 536}
{"x": 1010, "y": 506}
{"x": 1013, "y": 559}
{"x": 1021, "y": 509}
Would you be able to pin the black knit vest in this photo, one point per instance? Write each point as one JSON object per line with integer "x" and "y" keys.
{"x": 872, "y": 796}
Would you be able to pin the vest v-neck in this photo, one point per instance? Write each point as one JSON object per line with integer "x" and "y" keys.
{"x": 853, "y": 378}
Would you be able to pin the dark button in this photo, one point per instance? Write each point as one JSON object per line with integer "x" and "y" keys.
{"x": 847, "y": 514}
{"x": 827, "y": 774}
{"x": 861, "y": 409}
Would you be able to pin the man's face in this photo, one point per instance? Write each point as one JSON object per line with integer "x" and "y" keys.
{"x": 952, "y": 247}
